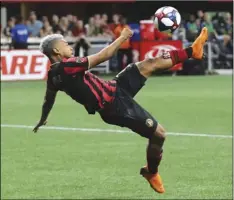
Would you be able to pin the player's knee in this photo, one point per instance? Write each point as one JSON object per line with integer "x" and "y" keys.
{"x": 160, "y": 132}
{"x": 153, "y": 63}
{"x": 146, "y": 66}
{"x": 158, "y": 63}
{"x": 158, "y": 136}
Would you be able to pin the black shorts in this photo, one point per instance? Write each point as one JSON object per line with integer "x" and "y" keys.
{"x": 125, "y": 111}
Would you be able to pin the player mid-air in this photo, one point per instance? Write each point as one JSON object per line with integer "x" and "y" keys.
{"x": 113, "y": 100}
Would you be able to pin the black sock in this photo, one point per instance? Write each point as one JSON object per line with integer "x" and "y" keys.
{"x": 154, "y": 157}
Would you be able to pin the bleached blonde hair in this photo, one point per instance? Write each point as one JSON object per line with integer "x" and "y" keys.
{"x": 46, "y": 45}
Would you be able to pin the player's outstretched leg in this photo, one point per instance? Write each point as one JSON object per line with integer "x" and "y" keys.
{"x": 154, "y": 156}
{"x": 171, "y": 58}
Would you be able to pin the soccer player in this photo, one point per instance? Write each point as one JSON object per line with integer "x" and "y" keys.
{"x": 114, "y": 99}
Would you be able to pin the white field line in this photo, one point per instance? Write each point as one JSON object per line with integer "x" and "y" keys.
{"x": 110, "y": 130}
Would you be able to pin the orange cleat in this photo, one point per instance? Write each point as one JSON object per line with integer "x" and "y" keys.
{"x": 154, "y": 180}
{"x": 198, "y": 44}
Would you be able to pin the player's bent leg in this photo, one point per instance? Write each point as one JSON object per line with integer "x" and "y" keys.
{"x": 170, "y": 58}
{"x": 154, "y": 156}
{"x": 126, "y": 112}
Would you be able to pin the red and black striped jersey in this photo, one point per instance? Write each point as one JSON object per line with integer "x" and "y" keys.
{"x": 71, "y": 76}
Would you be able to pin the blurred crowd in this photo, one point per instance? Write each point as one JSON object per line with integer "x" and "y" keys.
{"x": 98, "y": 25}
{"x": 70, "y": 25}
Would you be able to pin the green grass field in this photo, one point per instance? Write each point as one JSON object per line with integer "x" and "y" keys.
{"x": 66, "y": 164}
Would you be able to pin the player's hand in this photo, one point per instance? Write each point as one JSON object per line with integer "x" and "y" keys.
{"x": 126, "y": 33}
{"x": 41, "y": 123}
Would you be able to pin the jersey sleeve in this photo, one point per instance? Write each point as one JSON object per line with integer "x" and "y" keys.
{"x": 75, "y": 64}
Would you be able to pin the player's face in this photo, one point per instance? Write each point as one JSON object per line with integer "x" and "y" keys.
{"x": 64, "y": 49}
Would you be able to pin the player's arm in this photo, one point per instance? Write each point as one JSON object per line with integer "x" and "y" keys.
{"x": 46, "y": 108}
{"x": 110, "y": 50}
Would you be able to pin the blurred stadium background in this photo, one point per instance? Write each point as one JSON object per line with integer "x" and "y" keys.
{"x": 78, "y": 156}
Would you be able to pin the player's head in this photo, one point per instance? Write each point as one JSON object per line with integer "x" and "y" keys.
{"x": 55, "y": 46}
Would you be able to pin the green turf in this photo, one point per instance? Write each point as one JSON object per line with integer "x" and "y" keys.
{"x": 68, "y": 164}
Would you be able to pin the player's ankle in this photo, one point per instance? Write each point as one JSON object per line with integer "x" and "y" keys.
{"x": 153, "y": 172}
{"x": 152, "y": 169}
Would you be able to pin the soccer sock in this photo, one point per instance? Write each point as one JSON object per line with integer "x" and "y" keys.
{"x": 178, "y": 56}
{"x": 154, "y": 155}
